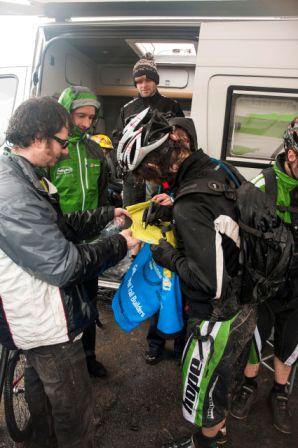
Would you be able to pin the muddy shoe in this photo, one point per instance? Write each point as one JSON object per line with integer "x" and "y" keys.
{"x": 152, "y": 357}
{"x": 186, "y": 442}
{"x": 96, "y": 369}
{"x": 282, "y": 417}
{"x": 221, "y": 438}
{"x": 243, "y": 401}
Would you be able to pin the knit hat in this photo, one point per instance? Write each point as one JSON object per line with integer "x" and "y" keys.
{"x": 146, "y": 66}
{"x": 78, "y": 96}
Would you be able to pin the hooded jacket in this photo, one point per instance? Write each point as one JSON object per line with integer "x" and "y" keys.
{"x": 42, "y": 264}
{"x": 207, "y": 240}
{"x": 82, "y": 177}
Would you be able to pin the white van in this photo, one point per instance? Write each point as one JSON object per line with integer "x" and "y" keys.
{"x": 237, "y": 78}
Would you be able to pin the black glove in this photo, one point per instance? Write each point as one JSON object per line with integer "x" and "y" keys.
{"x": 165, "y": 254}
{"x": 156, "y": 213}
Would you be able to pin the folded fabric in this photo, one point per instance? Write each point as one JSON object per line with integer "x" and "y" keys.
{"x": 152, "y": 234}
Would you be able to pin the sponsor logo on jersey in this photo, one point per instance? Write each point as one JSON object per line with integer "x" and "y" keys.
{"x": 192, "y": 388}
{"x": 64, "y": 170}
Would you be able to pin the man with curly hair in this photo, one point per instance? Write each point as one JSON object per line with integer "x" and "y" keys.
{"x": 44, "y": 305}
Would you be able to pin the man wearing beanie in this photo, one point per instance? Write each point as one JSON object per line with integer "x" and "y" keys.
{"x": 146, "y": 79}
{"x": 82, "y": 183}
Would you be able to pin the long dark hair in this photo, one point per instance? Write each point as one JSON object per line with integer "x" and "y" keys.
{"x": 157, "y": 165}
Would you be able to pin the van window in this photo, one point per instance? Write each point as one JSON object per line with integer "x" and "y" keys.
{"x": 257, "y": 121}
{"x": 8, "y": 88}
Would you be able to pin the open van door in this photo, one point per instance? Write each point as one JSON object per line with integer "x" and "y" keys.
{"x": 102, "y": 54}
{"x": 17, "y": 37}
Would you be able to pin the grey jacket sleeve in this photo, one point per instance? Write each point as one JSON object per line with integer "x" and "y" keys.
{"x": 30, "y": 236}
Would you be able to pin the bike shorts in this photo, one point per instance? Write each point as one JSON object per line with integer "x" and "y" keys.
{"x": 209, "y": 366}
{"x": 279, "y": 315}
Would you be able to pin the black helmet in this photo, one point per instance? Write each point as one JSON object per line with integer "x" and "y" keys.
{"x": 291, "y": 136}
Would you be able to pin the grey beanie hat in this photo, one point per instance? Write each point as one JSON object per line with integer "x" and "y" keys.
{"x": 146, "y": 66}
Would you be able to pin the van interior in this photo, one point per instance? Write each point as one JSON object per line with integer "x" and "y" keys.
{"x": 102, "y": 59}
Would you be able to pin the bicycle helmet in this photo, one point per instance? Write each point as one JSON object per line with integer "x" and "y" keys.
{"x": 291, "y": 136}
{"x": 144, "y": 133}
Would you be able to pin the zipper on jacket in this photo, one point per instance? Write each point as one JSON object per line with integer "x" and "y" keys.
{"x": 81, "y": 177}
{"x": 86, "y": 174}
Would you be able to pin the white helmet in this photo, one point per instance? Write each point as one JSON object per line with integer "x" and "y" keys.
{"x": 144, "y": 133}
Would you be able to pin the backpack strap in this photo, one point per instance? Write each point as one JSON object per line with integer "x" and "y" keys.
{"x": 270, "y": 183}
{"x": 230, "y": 170}
{"x": 211, "y": 186}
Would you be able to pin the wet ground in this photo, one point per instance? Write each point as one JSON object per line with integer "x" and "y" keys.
{"x": 138, "y": 406}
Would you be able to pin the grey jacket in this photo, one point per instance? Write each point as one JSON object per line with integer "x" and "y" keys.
{"x": 42, "y": 263}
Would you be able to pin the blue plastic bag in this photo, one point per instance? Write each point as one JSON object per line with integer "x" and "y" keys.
{"x": 170, "y": 319}
{"x": 146, "y": 289}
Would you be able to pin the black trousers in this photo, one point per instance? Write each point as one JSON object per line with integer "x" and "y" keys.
{"x": 59, "y": 395}
{"x": 89, "y": 333}
{"x": 157, "y": 343}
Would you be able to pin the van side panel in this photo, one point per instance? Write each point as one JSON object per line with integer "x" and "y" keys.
{"x": 258, "y": 54}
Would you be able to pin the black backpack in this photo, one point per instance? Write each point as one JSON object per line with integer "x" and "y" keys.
{"x": 267, "y": 243}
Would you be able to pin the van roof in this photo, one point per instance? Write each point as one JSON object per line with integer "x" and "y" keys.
{"x": 162, "y": 8}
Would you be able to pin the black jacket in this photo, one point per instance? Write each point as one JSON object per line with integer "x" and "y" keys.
{"x": 208, "y": 239}
{"x": 134, "y": 192}
{"x": 133, "y": 107}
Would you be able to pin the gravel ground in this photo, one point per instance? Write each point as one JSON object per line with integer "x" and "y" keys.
{"x": 138, "y": 406}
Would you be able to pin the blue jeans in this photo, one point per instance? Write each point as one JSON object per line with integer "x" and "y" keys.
{"x": 59, "y": 395}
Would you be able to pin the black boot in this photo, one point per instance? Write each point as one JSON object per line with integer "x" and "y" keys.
{"x": 152, "y": 357}
{"x": 187, "y": 442}
{"x": 282, "y": 417}
{"x": 243, "y": 401}
{"x": 221, "y": 438}
{"x": 96, "y": 368}
{"x": 184, "y": 442}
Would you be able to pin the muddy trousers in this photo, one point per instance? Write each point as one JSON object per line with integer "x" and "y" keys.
{"x": 59, "y": 395}
{"x": 209, "y": 366}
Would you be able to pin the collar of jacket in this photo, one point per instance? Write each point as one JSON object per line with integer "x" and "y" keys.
{"x": 30, "y": 172}
{"x": 77, "y": 135}
{"x": 151, "y": 100}
{"x": 191, "y": 167}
